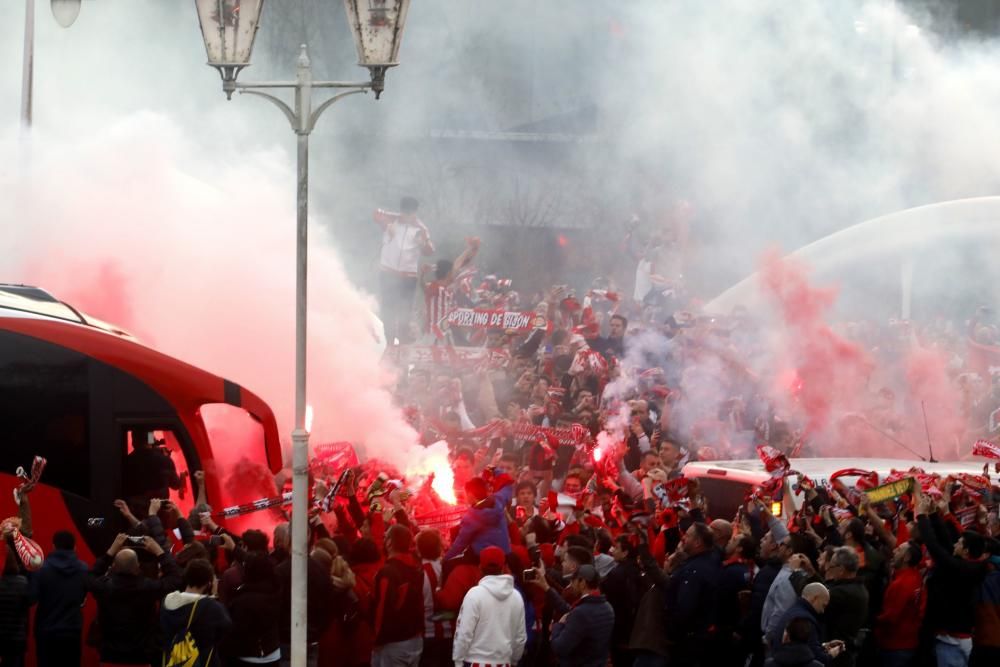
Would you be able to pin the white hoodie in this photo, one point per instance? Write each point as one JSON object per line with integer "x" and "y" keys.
{"x": 491, "y": 627}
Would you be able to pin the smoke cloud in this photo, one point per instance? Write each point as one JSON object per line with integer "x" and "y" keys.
{"x": 149, "y": 200}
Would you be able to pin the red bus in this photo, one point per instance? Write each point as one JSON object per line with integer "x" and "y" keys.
{"x": 78, "y": 391}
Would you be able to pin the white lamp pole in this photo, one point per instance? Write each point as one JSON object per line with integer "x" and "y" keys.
{"x": 65, "y": 13}
{"x": 228, "y": 28}
{"x": 28, "y": 64}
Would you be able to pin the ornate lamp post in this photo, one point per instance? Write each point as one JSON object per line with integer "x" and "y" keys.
{"x": 229, "y": 28}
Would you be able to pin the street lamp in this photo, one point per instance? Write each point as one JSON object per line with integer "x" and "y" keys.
{"x": 229, "y": 28}
{"x": 65, "y": 13}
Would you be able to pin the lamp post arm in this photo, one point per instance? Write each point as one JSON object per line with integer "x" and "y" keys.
{"x": 249, "y": 89}
{"x": 293, "y": 84}
{"x": 328, "y": 103}
{"x": 285, "y": 109}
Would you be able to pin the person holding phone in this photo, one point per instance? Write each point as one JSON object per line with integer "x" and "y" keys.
{"x": 127, "y": 600}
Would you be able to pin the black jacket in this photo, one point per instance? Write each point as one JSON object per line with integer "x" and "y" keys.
{"x": 793, "y": 655}
{"x": 690, "y": 597}
{"x": 209, "y": 624}
{"x": 127, "y": 609}
{"x": 584, "y": 639}
{"x": 623, "y": 589}
{"x": 14, "y": 603}
{"x": 321, "y": 598}
{"x": 733, "y": 578}
{"x": 846, "y": 615}
{"x": 750, "y": 626}
{"x": 253, "y": 608}
{"x": 953, "y": 584}
{"x": 59, "y": 589}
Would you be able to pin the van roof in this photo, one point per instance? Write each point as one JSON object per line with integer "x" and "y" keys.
{"x": 751, "y": 471}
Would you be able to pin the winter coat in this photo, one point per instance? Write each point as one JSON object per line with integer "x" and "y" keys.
{"x": 846, "y": 615}
{"x": 584, "y": 638}
{"x": 750, "y": 625}
{"x": 253, "y": 609}
{"x": 209, "y": 624}
{"x": 491, "y": 627}
{"x": 988, "y": 609}
{"x": 793, "y": 655}
{"x": 734, "y": 578}
{"x": 59, "y": 589}
{"x": 690, "y": 597}
{"x": 321, "y": 597}
{"x": 126, "y": 609}
{"x": 399, "y": 601}
{"x": 623, "y": 589}
{"x": 649, "y": 632}
{"x": 898, "y": 625}
{"x": 14, "y": 604}
{"x": 953, "y": 585}
{"x": 484, "y": 525}
{"x": 801, "y": 609}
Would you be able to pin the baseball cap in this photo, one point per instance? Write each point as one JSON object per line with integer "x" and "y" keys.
{"x": 492, "y": 557}
{"x": 589, "y": 574}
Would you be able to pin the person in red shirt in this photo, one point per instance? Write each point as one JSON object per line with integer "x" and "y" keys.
{"x": 897, "y": 628}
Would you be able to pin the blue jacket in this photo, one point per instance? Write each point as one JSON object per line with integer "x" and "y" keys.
{"x": 59, "y": 590}
{"x": 484, "y": 525}
{"x": 584, "y": 640}
{"x": 690, "y": 596}
{"x": 802, "y": 609}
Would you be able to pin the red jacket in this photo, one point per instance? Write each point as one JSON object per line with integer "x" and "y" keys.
{"x": 898, "y": 626}
{"x": 459, "y": 582}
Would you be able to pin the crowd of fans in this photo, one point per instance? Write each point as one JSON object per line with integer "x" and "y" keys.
{"x": 574, "y": 541}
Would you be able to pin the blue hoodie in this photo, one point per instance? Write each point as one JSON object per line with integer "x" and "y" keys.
{"x": 484, "y": 525}
{"x": 59, "y": 589}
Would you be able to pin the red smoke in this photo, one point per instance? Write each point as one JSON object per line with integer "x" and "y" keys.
{"x": 195, "y": 254}
{"x": 829, "y": 372}
{"x": 932, "y": 396}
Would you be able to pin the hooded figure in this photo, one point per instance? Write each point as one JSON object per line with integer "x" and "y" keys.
{"x": 485, "y": 523}
{"x": 491, "y": 628}
{"x": 59, "y": 589}
{"x": 193, "y": 612}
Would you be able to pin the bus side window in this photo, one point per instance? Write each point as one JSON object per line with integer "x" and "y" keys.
{"x": 45, "y": 411}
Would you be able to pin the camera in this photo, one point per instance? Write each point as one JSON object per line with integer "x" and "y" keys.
{"x": 530, "y": 575}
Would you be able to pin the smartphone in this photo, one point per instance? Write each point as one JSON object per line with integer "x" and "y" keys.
{"x": 661, "y": 493}
{"x": 215, "y": 540}
{"x": 530, "y": 575}
{"x": 137, "y": 540}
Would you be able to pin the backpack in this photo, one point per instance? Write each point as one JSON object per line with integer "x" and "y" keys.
{"x": 183, "y": 649}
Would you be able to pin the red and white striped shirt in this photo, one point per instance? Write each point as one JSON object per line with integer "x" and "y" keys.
{"x": 439, "y": 299}
{"x": 434, "y": 629}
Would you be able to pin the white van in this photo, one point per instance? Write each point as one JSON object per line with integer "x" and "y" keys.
{"x": 726, "y": 483}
